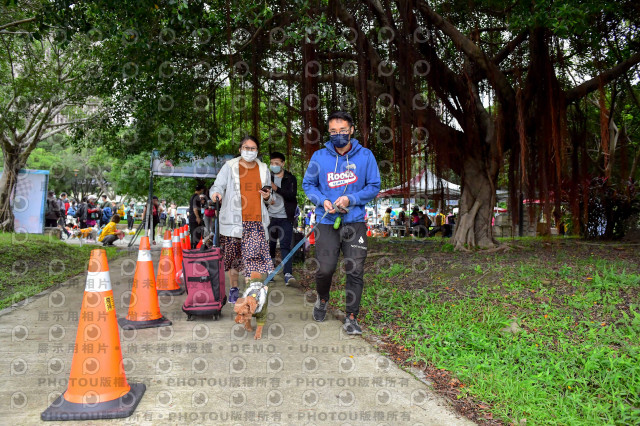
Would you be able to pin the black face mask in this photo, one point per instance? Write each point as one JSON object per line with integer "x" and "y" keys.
{"x": 339, "y": 140}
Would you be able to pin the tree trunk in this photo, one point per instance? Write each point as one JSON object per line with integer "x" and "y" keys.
{"x": 473, "y": 227}
{"x": 310, "y": 100}
{"x": 12, "y": 166}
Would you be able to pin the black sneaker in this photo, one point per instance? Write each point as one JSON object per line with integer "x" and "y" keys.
{"x": 320, "y": 310}
{"x": 351, "y": 326}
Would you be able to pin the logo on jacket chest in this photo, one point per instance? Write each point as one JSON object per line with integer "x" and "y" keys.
{"x": 335, "y": 180}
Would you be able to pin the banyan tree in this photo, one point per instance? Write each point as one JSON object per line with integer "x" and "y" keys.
{"x": 478, "y": 88}
{"x": 488, "y": 83}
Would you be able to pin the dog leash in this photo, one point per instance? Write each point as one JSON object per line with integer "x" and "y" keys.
{"x": 302, "y": 241}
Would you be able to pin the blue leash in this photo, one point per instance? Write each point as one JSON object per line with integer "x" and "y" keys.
{"x": 291, "y": 253}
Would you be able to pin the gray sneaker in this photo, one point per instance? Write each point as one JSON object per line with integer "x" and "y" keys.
{"x": 351, "y": 326}
{"x": 289, "y": 279}
{"x": 320, "y": 310}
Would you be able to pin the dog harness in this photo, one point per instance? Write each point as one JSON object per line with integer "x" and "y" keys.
{"x": 258, "y": 290}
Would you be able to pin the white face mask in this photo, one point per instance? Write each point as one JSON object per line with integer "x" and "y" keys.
{"x": 249, "y": 156}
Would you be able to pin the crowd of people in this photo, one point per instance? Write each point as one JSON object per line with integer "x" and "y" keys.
{"x": 418, "y": 223}
{"x": 69, "y": 215}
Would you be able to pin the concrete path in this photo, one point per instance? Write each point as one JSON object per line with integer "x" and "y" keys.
{"x": 205, "y": 371}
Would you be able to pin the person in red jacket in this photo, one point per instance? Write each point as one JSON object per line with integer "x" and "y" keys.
{"x": 93, "y": 212}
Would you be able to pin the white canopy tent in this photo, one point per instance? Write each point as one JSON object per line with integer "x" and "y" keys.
{"x": 424, "y": 183}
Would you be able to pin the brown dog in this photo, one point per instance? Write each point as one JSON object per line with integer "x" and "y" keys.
{"x": 246, "y": 307}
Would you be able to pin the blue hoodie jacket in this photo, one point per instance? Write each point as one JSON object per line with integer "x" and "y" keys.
{"x": 331, "y": 175}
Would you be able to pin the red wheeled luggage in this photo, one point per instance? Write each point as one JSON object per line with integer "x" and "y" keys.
{"x": 204, "y": 280}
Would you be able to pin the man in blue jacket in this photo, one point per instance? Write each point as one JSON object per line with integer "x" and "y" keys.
{"x": 341, "y": 179}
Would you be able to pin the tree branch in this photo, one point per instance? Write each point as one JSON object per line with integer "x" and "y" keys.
{"x": 34, "y": 115}
{"x": 68, "y": 123}
{"x": 286, "y": 14}
{"x": 471, "y": 51}
{"x": 451, "y": 82}
{"x": 322, "y": 78}
{"x": 34, "y": 133}
{"x": 510, "y": 47}
{"x": 15, "y": 32}
{"x": 605, "y": 77}
{"x": 16, "y": 23}
{"x": 54, "y": 132}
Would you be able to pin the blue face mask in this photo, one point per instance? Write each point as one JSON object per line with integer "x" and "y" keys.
{"x": 340, "y": 141}
{"x": 276, "y": 169}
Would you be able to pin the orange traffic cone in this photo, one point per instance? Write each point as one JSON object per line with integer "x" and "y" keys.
{"x": 187, "y": 238}
{"x": 183, "y": 238}
{"x": 200, "y": 243}
{"x": 177, "y": 255}
{"x": 98, "y": 387}
{"x": 369, "y": 231}
{"x": 144, "y": 311}
{"x": 166, "y": 279}
{"x": 312, "y": 236}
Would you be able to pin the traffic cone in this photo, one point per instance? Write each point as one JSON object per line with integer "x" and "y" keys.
{"x": 183, "y": 238}
{"x": 98, "y": 387}
{"x": 312, "y": 236}
{"x": 369, "y": 231}
{"x": 177, "y": 255}
{"x": 144, "y": 311}
{"x": 187, "y": 238}
{"x": 200, "y": 243}
{"x": 166, "y": 269}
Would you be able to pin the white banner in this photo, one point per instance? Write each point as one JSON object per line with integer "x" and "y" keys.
{"x": 207, "y": 167}
{"x": 29, "y": 199}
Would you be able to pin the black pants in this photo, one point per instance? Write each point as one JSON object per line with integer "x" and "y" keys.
{"x": 130, "y": 221}
{"x": 196, "y": 232}
{"x": 109, "y": 239}
{"x": 154, "y": 223}
{"x": 172, "y": 223}
{"x": 435, "y": 229}
{"x": 351, "y": 238}
{"x": 51, "y": 223}
{"x": 281, "y": 229}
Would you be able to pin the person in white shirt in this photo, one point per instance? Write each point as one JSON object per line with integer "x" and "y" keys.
{"x": 173, "y": 212}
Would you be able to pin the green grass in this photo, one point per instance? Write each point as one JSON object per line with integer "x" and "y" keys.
{"x": 576, "y": 360}
{"x": 31, "y": 263}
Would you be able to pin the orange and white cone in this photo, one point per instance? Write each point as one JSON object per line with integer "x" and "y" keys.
{"x": 183, "y": 237}
{"x": 200, "y": 243}
{"x": 177, "y": 256}
{"x": 187, "y": 238}
{"x": 144, "y": 310}
{"x": 98, "y": 387}
{"x": 166, "y": 279}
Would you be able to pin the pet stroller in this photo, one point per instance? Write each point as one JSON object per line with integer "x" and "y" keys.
{"x": 204, "y": 277}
